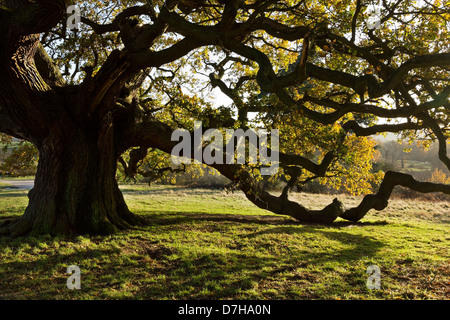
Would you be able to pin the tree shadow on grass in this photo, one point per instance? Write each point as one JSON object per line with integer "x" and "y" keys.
{"x": 13, "y": 195}
{"x": 234, "y": 275}
{"x": 175, "y": 218}
{"x": 251, "y": 261}
{"x": 6, "y": 219}
{"x": 8, "y": 187}
{"x": 45, "y": 276}
{"x": 356, "y": 246}
{"x": 237, "y": 266}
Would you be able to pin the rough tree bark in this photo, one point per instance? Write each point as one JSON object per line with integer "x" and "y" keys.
{"x": 81, "y": 130}
{"x": 75, "y": 187}
{"x": 158, "y": 135}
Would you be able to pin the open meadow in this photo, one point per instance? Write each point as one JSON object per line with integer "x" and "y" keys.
{"x": 210, "y": 244}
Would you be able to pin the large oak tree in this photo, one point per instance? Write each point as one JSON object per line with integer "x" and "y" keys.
{"x": 136, "y": 70}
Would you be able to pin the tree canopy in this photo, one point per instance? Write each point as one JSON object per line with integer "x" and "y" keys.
{"x": 328, "y": 74}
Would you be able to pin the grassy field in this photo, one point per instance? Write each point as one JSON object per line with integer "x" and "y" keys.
{"x": 205, "y": 244}
{"x": 18, "y": 178}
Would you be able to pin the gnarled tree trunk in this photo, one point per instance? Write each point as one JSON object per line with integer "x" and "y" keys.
{"x": 81, "y": 130}
{"x": 75, "y": 187}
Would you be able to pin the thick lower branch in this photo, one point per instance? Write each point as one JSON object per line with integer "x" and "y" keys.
{"x": 379, "y": 201}
{"x": 156, "y": 134}
{"x": 279, "y": 205}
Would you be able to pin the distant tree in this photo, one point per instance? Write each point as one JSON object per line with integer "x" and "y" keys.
{"x": 320, "y": 71}
{"x": 439, "y": 176}
{"x": 393, "y": 151}
{"x": 21, "y": 161}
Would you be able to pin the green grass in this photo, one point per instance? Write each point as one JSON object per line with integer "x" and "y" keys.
{"x": 204, "y": 244}
{"x": 18, "y": 178}
{"x": 5, "y": 186}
